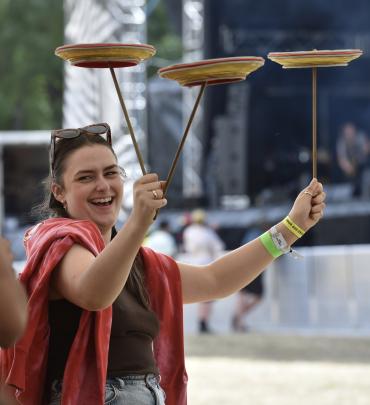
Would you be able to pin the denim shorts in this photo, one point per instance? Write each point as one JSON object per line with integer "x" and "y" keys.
{"x": 129, "y": 390}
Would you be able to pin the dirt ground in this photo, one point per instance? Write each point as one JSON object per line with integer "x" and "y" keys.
{"x": 278, "y": 370}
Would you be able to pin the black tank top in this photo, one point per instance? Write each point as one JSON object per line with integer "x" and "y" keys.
{"x": 134, "y": 328}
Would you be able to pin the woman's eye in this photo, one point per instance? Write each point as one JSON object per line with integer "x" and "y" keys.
{"x": 112, "y": 173}
{"x": 85, "y": 178}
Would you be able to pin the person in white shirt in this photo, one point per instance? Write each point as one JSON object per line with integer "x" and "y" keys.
{"x": 203, "y": 245}
{"x": 161, "y": 240}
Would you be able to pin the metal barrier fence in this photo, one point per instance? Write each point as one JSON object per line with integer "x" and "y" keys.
{"x": 328, "y": 291}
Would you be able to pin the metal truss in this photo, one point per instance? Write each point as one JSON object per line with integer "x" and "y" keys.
{"x": 193, "y": 43}
{"x": 89, "y": 94}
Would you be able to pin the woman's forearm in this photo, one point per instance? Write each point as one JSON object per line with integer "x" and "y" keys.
{"x": 241, "y": 266}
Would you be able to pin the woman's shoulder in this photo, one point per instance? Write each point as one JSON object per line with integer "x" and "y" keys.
{"x": 55, "y": 228}
{"x": 54, "y": 224}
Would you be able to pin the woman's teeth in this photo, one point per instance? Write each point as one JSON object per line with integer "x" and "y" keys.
{"x": 102, "y": 201}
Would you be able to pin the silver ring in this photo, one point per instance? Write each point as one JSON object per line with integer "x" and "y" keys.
{"x": 155, "y": 194}
{"x": 308, "y": 192}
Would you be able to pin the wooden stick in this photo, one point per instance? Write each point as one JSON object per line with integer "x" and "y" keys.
{"x": 183, "y": 139}
{"x": 181, "y": 145}
{"x": 314, "y": 122}
{"x": 131, "y": 130}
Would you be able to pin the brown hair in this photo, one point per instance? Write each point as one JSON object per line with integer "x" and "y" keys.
{"x": 51, "y": 207}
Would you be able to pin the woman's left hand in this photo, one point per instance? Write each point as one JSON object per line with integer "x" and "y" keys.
{"x": 309, "y": 206}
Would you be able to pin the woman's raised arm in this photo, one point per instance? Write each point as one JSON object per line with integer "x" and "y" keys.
{"x": 238, "y": 268}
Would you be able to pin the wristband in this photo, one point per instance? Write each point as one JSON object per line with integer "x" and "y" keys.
{"x": 293, "y": 227}
{"x": 279, "y": 241}
{"x": 269, "y": 245}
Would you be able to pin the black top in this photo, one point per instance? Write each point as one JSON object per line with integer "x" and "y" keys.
{"x": 131, "y": 342}
{"x": 134, "y": 328}
{"x": 64, "y": 318}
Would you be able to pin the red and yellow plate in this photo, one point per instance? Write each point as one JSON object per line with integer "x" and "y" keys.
{"x": 101, "y": 55}
{"x": 315, "y": 58}
{"x": 212, "y": 71}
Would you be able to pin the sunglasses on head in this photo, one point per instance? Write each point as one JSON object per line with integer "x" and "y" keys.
{"x": 94, "y": 129}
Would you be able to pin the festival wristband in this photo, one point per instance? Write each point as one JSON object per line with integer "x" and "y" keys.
{"x": 279, "y": 241}
{"x": 293, "y": 227}
{"x": 269, "y": 245}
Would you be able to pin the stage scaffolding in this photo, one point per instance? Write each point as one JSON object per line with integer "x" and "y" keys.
{"x": 89, "y": 94}
{"x": 193, "y": 43}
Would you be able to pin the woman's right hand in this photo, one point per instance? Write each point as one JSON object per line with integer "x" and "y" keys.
{"x": 148, "y": 198}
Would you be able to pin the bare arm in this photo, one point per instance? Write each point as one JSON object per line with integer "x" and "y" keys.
{"x": 13, "y": 303}
{"x": 238, "y": 268}
{"x": 94, "y": 283}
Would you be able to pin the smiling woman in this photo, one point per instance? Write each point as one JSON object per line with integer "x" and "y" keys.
{"x": 105, "y": 314}
{"x": 91, "y": 187}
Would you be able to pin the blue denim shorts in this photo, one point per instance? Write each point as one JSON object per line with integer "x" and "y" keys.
{"x": 128, "y": 390}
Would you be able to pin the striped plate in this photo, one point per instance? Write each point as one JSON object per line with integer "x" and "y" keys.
{"x": 212, "y": 71}
{"x": 315, "y": 58}
{"x": 105, "y": 55}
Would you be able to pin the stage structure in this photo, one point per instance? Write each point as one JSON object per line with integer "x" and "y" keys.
{"x": 22, "y": 139}
{"x": 193, "y": 43}
{"x": 89, "y": 94}
{"x": 272, "y": 138}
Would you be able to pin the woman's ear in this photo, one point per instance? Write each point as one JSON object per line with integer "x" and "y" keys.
{"x": 58, "y": 192}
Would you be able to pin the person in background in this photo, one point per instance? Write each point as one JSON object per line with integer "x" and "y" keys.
{"x": 352, "y": 154}
{"x": 161, "y": 240}
{"x": 184, "y": 221}
{"x": 250, "y": 295}
{"x": 202, "y": 245}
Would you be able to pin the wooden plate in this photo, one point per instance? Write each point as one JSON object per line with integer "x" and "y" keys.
{"x": 105, "y": 55}
{"x": 212, "y": 71}
{"x": 315, "y": 58}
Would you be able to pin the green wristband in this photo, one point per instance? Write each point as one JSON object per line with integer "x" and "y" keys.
{"x": 268, "y": 243}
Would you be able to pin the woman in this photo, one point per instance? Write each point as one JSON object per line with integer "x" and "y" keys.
{"x": 98, "y": 303}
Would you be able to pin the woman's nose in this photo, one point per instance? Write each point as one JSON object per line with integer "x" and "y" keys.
{"x": 102, "y": 183}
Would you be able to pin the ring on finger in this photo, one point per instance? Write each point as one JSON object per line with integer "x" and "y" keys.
{"x": 308, "y": 192}
{"x": 155, "y": 194}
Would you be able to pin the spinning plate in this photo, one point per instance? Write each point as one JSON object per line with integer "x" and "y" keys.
{"x": 212, "y": 71}
{"x": 105, "y": 55}
{"x": 315, "y": 58}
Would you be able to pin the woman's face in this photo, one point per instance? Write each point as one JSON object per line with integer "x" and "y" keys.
{"x": 92, "y": 186}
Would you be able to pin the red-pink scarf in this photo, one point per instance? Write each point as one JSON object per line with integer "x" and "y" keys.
{"x": 24, "y": 366}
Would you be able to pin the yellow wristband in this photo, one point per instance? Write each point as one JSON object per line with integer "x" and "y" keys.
{"x": 293, "y": 227}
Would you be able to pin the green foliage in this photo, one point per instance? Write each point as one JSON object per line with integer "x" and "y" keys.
{"x": 31, "y": 76}
{"x": 161, "y": 35}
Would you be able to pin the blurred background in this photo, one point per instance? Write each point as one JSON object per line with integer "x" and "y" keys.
{"x": 248, "y": 153}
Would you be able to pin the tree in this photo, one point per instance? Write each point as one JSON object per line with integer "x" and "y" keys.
{"x": 162, "y": 35}
{"x": 31, "y": 76}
